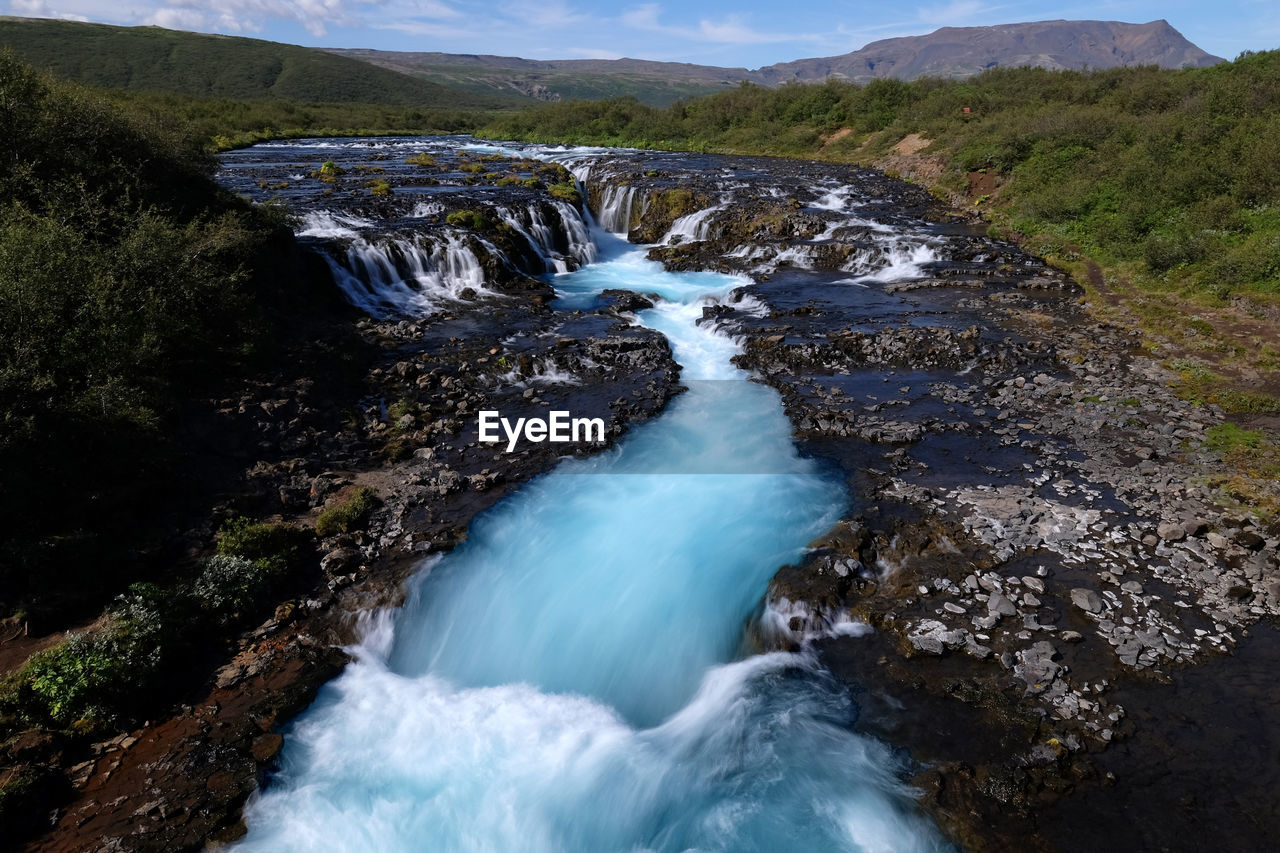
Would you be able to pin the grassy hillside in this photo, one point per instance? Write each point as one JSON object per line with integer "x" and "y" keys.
{"x": 130, "y": 283}
{"x": 154, "y": 59}
{"x": 1168, "y": 181}
{"x": 225, "y": 123}
{"x": 655, "y": 83}
{"x": 655, "y": 91}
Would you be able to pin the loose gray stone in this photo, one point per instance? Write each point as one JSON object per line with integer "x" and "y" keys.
{"x": 1086, "y": 599}
{"x": 1000, "y": 606}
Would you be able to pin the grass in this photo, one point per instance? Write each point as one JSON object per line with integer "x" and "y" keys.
{"x": 348, "y": 514}
{"x": 1166, "y": 180}
{"x": 151, "y": 59}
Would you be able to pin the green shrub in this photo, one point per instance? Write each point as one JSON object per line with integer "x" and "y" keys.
{"x": 130, "y": 284}
{"x": 379, "y": 188}
{"x": 422, "y": 159}
{"x": 228, "y": 587}
{"x": 85, "y": 678}
{"x": 277, "y": 548}
{"x": 348, "y": 515}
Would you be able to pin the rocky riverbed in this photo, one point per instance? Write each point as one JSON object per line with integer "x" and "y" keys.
{"x": 1037, "y": 539}
{"x": 1037, "y": 532}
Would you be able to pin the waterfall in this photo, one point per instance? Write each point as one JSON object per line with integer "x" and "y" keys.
{"x": 892, "y": 259}
{"x": 581, "y": 247}
{"x": 402, "y": 276}
{"x": 615, "y": 208}
{"x": 529, "y": 223}
{"x": 568, "y": 680}
{"x": 693, "y": 227}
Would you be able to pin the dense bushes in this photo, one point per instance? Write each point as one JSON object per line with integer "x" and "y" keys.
{"x": 1177, "y": 172}
{"x": 111, "y": 673}
{"x": 128, "y": 281}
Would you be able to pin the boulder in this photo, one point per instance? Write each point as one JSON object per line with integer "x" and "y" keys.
{"x": 1087, "y": 600}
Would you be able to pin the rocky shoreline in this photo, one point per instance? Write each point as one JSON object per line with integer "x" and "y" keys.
{"x": 1034, "y": 529}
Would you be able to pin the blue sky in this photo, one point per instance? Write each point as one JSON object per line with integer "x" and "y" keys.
{"x": 717, "y": 32}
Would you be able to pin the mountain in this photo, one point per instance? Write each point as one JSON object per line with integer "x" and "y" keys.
{"x": 965, "y": 51}
{"x": 151, "y": 58}
{"x": 656, "y": 83}
{"x": 948, "y": 52}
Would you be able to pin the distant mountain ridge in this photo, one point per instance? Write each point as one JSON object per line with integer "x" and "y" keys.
{"x": 952, "y": 52}
{"x": 965, "y": 51}
{"x": 229, "y": 66}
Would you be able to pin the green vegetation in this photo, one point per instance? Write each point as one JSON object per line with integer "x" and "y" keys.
{"x": 567, "y": 191}
{"x": 1172, "y": 177}
{"x": 108, "y": 675}
{"x": 568, "y": 85}
{"x": 347, "y": 515}
{"x": 130, "y": 283}
{"x": 329, "y": 171}
{"x": 152, "y": 59}
{"x": 274, "y": 548}
{"x": 1228, "y": 437}
{"x": 474, "y": 219}
{"x": 421, "y": 159}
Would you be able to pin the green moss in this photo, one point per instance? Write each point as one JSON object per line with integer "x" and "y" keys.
{"x": 421, "y": 159}
{"x": 379, "y": 188}
{"x": 474, "y": 219}
{"x": 348, "y": 515}
{"x": 567, "y": 191}
{"x": 329, "y": 172}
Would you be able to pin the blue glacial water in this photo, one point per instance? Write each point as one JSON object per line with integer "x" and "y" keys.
{"x": 572, "y": 678}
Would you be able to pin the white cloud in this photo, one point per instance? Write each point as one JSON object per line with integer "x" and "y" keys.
{"x": 41, "y": 9}
{"x": 733, "y": 29}
{"x": 238, "y": 16}
{"x": 178, "y": 19}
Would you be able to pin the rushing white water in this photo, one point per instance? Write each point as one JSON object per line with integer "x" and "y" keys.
{"x": 327, "y": 224}
{"x": 567, "y": 680}
{"x": 695, "y": 226}
{"x": 617, "y": 204}
{"x": 405, "y": 276}
{"x": 529, "y": 222}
